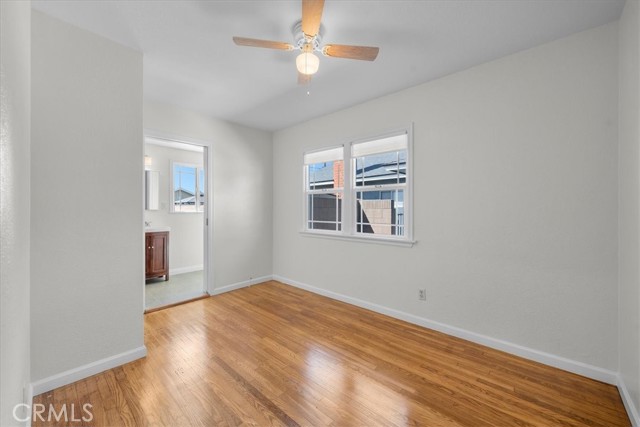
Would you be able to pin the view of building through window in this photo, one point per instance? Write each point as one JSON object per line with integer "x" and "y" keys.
{"x": 378, "y": 188}
{"x": 325, "y": 195}
{"x": 188, "y": 188}
{"x": 380, "y": 209}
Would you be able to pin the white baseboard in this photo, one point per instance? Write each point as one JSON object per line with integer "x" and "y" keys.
{"x": 629, "y": 405}
{"x": 81, "y": 372}
{"x": 240, "y": 285}
{"x": 188, "y": 269}
{"x": 563, "y": 363}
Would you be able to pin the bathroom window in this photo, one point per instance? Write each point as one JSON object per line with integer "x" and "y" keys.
{"x": 187, "y": 188}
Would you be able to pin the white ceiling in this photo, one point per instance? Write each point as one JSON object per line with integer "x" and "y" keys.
{"x": 190, "y": 60}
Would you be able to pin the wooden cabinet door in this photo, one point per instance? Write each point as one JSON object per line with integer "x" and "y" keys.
{"x": 157, "y": 255}
{"x": 158, "y": 243}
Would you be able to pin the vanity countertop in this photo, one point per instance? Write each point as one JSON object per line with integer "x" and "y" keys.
{"x": 156, "y": 229}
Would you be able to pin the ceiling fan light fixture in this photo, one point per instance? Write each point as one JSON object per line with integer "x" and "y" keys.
{"x": 308, "y": 36}
{"x": 307, "y": 63}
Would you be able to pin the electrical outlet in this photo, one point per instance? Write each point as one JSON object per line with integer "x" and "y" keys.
{"x": 422, "y": 294}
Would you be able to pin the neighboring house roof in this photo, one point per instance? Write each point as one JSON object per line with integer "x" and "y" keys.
{"x": 183, "y": 192}
{"x": 185, "y": 197}
{"x": 381, "y": 166}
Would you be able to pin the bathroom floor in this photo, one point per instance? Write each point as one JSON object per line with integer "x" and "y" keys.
{"x": 179, "y": 287}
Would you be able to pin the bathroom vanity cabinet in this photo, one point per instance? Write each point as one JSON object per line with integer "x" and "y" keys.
{"x": 157, "y": 254}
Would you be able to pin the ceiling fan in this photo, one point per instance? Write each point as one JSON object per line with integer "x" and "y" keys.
{"x": 308, "y": 38}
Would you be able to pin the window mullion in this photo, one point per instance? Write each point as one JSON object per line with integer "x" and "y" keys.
{"x": 383, "y": 187}
{"x": 324, "y": 191}
{"x": 347, "y": 193}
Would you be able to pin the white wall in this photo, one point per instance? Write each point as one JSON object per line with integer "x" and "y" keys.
{"x": 86, "y": 198}
{"x": 186, "y": 236}
{"x": 242, "y": 193}
{"x": 15, "y": 69}
{"x": 515, "y": 173}
{"x": 629, "y": 215}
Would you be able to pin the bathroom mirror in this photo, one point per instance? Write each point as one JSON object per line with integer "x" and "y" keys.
{"x": 152, "y": 190}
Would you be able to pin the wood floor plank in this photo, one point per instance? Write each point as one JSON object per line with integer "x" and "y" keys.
{"x": 274, "y": 355}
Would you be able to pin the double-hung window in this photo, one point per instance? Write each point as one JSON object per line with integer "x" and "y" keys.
{"x": 187, "y": 188}
{"x": 380, "y": 186}
{"x": 361, "y": 189}
{"x": 324, "y": 189}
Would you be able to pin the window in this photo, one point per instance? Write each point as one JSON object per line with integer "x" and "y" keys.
{"x": 367, "y": 196}
{"x": 324, "y": 189}
{"x": 380, "y": 178}
{"x": 187, "y": 188}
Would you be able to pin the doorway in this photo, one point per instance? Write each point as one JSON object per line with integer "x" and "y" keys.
{"x": 176, "y": 217}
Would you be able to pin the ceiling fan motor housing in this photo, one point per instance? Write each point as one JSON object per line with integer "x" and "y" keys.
{"x": 306, "y": 43}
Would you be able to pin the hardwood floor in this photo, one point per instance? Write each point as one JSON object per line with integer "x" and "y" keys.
{"x": 276, "y": 355}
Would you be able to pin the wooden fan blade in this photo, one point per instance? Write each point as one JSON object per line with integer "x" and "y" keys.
{"x": 365, "y": 53}
{"x": 303, "y": 78}
{"x": 311, "y": 16}
{"x": 243, "y": 41}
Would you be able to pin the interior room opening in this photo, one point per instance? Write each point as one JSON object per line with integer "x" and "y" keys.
{"x": 174, "y": 222}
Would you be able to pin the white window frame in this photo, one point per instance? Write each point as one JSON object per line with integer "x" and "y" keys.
{"x": 172, "y": 194}
{"x": 308, "y": 192}
{"x": 349, "y": 214}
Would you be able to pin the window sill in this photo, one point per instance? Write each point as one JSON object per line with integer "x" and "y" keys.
{"x": 378, "y": 240}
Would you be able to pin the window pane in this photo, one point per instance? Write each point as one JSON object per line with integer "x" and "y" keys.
{"x": 380, "y": 212}
{"x": 326, "y": 175}
{"x": 184, "y": 188}
{"x": 325, "y": 211}
{"x": 381, "y": 169}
